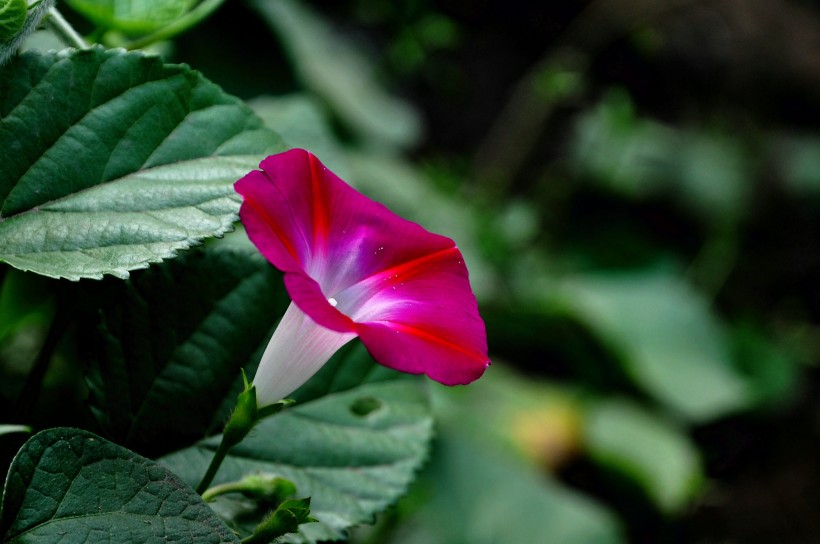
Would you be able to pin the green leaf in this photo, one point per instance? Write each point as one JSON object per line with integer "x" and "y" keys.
{"x": 330, "y": 66}
{"x": 302, "y": 122}
{"x": 114, "y": 160}
{"x": 12, "y": 18}
{"x": 172, "y": 341}
{"x": 669, "y": 342}
{"x": 72, "y": 487}
{"x": 132, "y": 16}
{"x": 488, "y": 480}
{"x": 352, "y": 465}
{"x": 639, "y": 158}
{"x": 14, "y": 32}
{"x": 485, "y": 495}
{"x": 651, "y": 451}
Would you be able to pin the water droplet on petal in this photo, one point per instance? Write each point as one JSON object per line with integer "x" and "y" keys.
{"x": 332, "y": 301}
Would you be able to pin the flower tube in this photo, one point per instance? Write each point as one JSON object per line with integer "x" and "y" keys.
{"x": 353, "y": 268}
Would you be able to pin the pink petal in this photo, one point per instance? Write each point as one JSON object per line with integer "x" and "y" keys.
{"x": 298, "y": 349}
{"x": 352, "y": 265}
{"x": 422, "y": 318}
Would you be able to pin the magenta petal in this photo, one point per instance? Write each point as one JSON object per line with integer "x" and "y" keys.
{"x": 422, "y": 318}
{"x": 277, "y": 235}
{"x": 307, "y": 294}
{"x": 417, "y": 351}
{"x": 353, "y": 265}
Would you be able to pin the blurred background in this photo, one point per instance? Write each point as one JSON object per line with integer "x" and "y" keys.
{"x": 635, "y": 185}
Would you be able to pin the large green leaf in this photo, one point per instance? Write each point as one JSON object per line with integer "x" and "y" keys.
{"x": 669, "y": 341}
{"x": 72, "y": 487}
{"x": 488, "y": 479}
{"x": 114, "y": 160}
{"x": 172, "y": 341}
{"x": 484, "y": 495}
{"x": 353, "y": 452}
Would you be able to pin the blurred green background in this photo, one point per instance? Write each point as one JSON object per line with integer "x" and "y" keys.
{"x": 635, "y": 185}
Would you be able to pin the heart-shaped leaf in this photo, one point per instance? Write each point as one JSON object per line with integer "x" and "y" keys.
{"x": 352, "y": 452}
{"x": 72, "y": 487}
{"x": 114, "y": 160}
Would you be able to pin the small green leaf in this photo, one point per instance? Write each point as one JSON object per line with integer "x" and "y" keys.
{"x": 12, "y": 18}
{"x": 653, "y": 452}
{"x": 287, "y": 518}
{"x": 114, "y": 160}
{"x": 132, "y": 17}
{"x": 69, "y": 486}
{"x": 352, "y": 467}
{"x": 670, "y": 343}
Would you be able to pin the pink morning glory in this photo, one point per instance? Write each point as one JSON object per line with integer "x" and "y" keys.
{"x": 354, "y": 268}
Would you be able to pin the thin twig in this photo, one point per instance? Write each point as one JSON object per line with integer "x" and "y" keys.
{"x": 64, "y": 30}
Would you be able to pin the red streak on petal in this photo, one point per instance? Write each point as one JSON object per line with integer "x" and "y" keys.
{"x": 400, "y": 272}
{"x": 320, "y": 215}
{"x": 435, "y": 339}
{"x": 262, "y": 211}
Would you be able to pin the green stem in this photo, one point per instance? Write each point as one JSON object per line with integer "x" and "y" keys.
{"x": 190, "y": 19}
{"x": 244, "y": 416}
{"x": 219, "y": 456}
{"x": 254, "y": 539}
{"x": 64, "y": 30}
{"x": 217, "y": 490}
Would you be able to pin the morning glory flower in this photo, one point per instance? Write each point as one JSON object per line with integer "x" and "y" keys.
{"x": 354, "y": 268}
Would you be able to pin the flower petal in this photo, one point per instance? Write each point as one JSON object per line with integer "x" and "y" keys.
{"x": 271, "y": 221}
{"x": 301, "y": 215}
{"x": 354, "y": 266}
{"x": 422, "y": 318}
{"x": 298, "y": 349}
{"x": 418, "y": 351}
{"x": 307, "y": 294}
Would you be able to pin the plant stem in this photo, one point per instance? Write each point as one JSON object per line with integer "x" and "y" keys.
{"x": 254, "y": 538}
{"x": 190, "y": 19}
{"x": 64, "y": 30}
{"x": 222, "y": 489}
{"x": 216, "y": 461}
